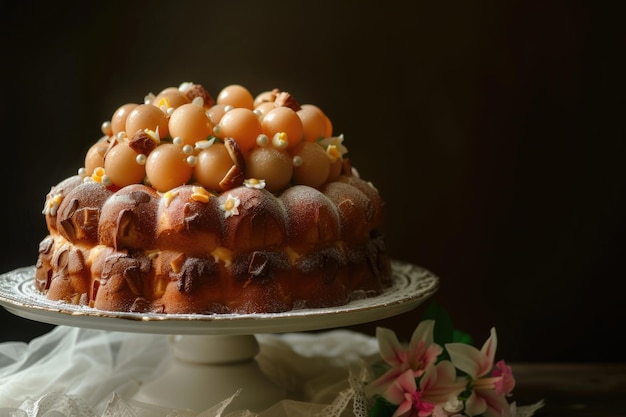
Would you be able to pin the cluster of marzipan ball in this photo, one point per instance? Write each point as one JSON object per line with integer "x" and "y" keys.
{"x": 182, "y": 135}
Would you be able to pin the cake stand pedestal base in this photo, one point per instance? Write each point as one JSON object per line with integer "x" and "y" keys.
{"x": 204, "y": 370}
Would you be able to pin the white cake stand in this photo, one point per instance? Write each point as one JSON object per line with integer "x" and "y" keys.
{"x": 213, "y": 356}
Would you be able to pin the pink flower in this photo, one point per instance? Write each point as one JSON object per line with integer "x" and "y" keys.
{"x": 506, "y": 383}
{"x": 403, "y": 392}
{"x": 440, "y": 384}
{"x": 487, "y": 396}
{"x": 421, "y": 352}
{"x": 470, "y": 360}
{"x": 494, "y": 405}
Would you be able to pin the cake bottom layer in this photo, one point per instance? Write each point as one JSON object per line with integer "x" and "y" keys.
{"x": 270, "y": 280}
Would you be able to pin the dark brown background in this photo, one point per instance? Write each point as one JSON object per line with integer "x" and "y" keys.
{"x": 494, "y": 131}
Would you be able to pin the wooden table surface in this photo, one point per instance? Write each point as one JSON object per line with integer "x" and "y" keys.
{"x": 572, "y": 389}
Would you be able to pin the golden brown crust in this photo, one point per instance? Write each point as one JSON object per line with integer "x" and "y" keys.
{"x": 355, "y": 210}
{"x": 187, "y": 251}
{"x": 78, "y": 215}
{"x": 128, "y": 218}
{"x": 260, "y": 222}
{"x": 312, "y": 219}
{"x": 55, "y": 197}
{"x": 189, "y": 225}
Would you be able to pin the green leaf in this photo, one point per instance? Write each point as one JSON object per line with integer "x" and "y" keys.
{"x": 461, "y": 337}
{"x": 444, "y": 331}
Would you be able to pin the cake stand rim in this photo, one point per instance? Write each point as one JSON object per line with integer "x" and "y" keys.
{"x": 412, "y": 284}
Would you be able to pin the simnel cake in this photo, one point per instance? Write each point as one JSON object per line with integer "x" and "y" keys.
{"x": 189, "y": 204}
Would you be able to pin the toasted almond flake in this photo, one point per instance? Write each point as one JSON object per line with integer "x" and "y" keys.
{"x": 149, "y": 98}
{"x": 200, "y": 197}
{"x": 153, "y": 253}
{"x": 198, "y": 101}
{"x": 235, "y": 153}
{"x": 204, "y": 144}
{"x": 168, "y": 196}
{"x": 177, "y": 263}
{"x": 154, "y": 135}
{"x": 185, "y": 86}
{"x": 200, "y": 194}
{"x": 233, "y": 178}
{"x": 222, "y": 254}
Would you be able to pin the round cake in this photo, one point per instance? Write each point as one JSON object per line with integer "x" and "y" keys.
{"x": 190, "y": 204}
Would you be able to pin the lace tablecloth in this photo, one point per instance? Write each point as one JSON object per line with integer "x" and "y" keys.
{"x": 92, "y": 373}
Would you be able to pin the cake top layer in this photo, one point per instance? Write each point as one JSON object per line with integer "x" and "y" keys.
{"x": 182, "y": 135}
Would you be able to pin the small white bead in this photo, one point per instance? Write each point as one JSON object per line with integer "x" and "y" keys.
{"x": 106, "y": 128}
{"x": 262, "y": 140}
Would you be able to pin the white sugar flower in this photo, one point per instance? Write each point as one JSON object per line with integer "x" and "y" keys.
{"x": 230, "y": 206}
{"x": 336, "y": 141}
